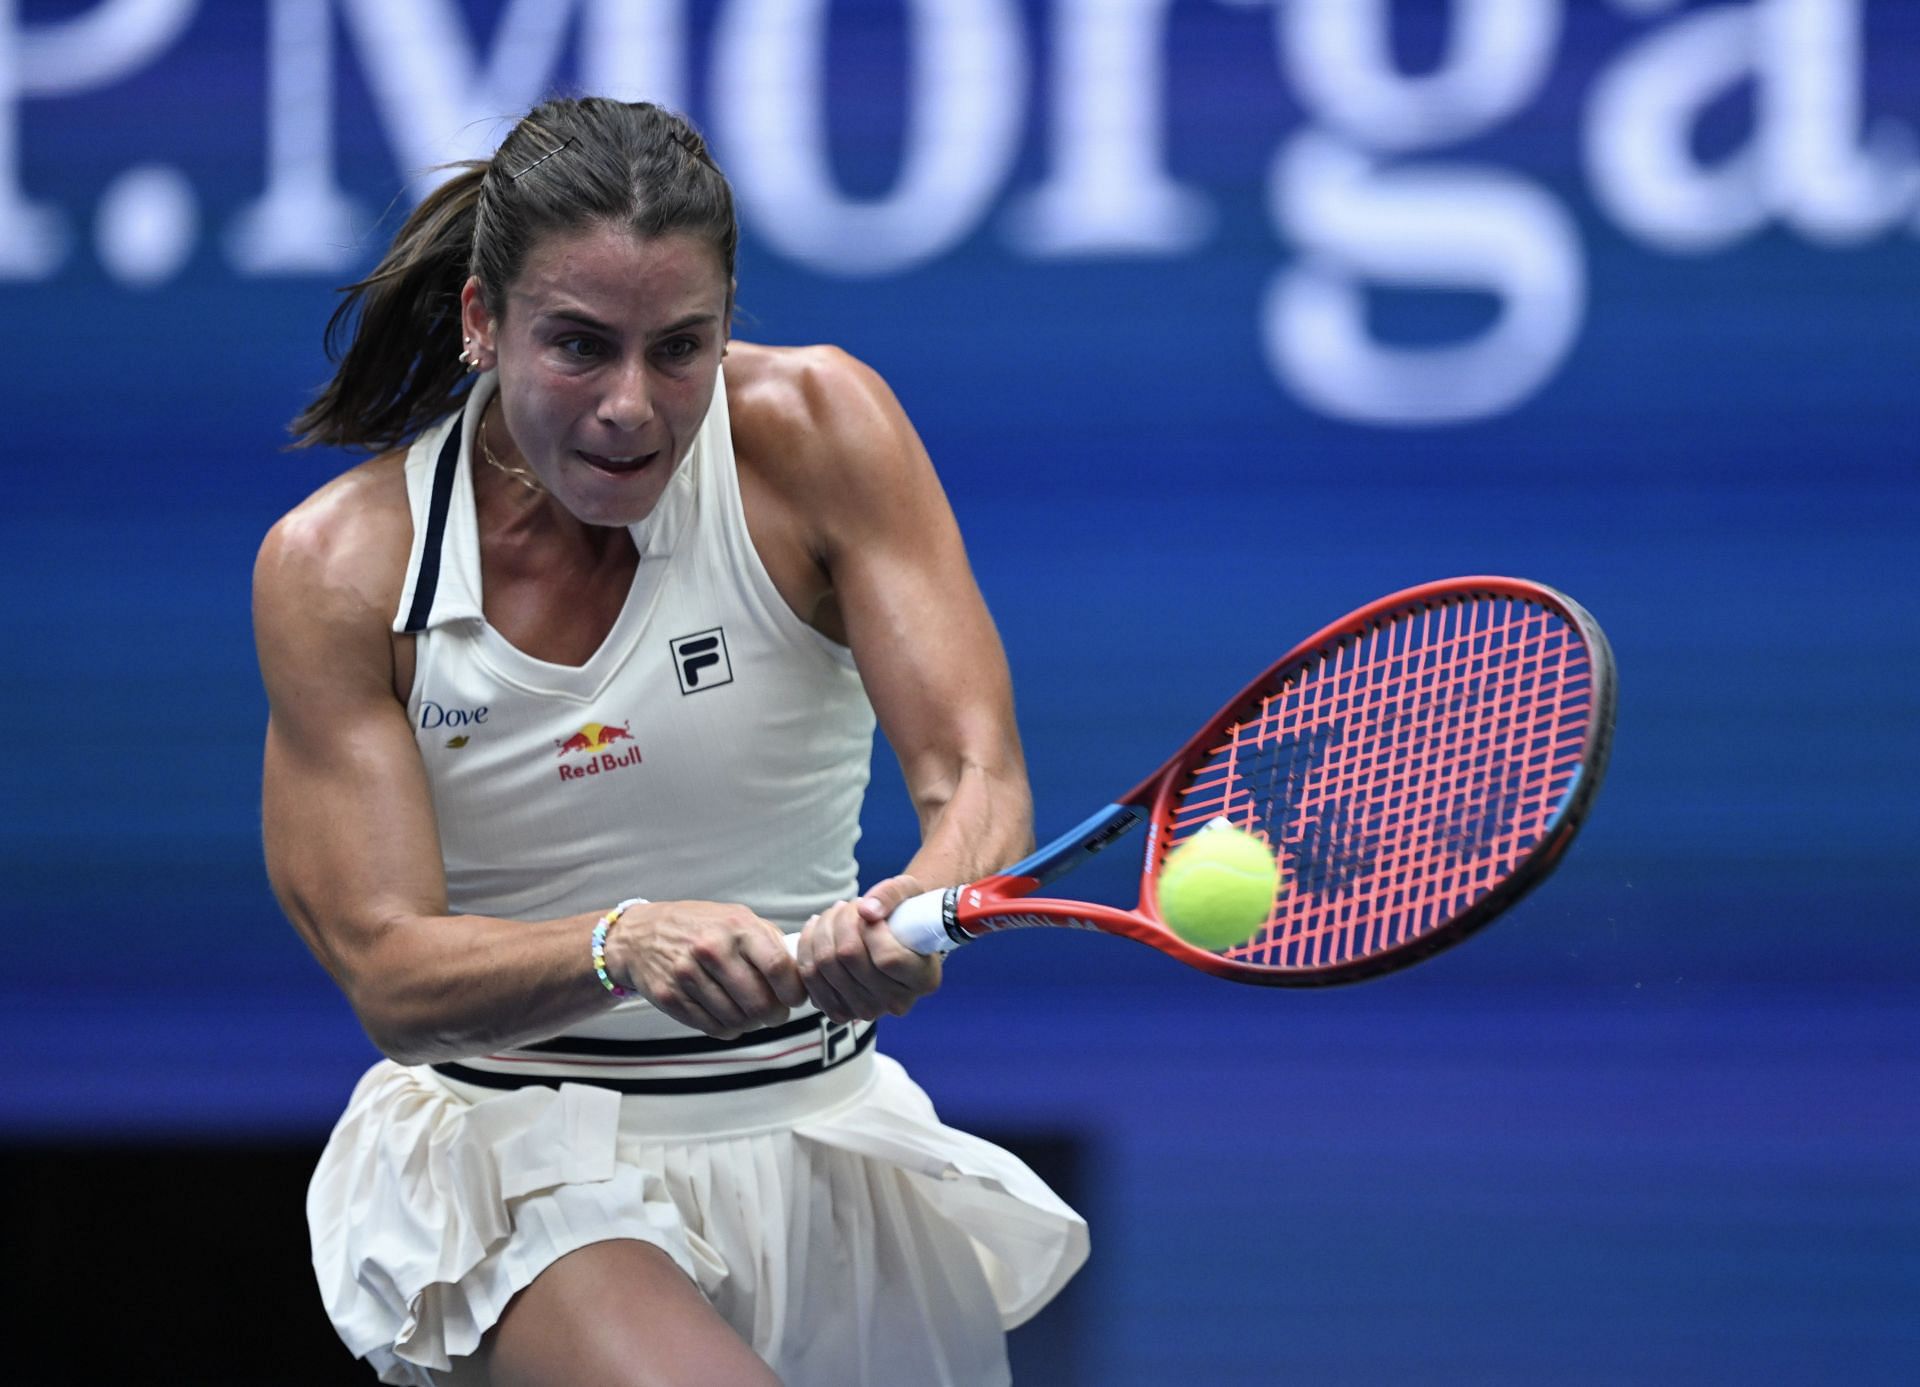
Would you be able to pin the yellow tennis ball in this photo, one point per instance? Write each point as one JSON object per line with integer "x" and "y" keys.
{"x": 1217, "y": 888}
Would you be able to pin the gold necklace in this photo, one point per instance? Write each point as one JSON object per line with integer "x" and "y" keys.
{"x": 522, "y": 475}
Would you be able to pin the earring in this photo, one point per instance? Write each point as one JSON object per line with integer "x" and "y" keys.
{"x": 467, "y": 357}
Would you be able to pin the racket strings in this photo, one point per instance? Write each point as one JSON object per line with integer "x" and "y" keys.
{"x": 1401, "y": 775}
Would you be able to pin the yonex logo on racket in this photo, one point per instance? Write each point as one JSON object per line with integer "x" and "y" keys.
{"x": 700, "y": 661}
{"x": 1012, "y": 921}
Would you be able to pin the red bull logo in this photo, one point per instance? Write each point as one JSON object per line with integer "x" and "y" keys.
{"x": 593, "y": 741}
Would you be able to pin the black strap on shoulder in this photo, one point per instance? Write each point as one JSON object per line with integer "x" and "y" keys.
{"x": 428, "y": 579}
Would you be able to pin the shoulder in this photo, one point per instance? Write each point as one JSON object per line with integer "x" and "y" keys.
{"x": 816, "y": 405}
{"x": 839, "y": 493}
{"x": 341, "y": 551}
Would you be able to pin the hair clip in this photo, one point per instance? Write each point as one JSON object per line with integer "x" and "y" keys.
{"x": 516, "y": 177}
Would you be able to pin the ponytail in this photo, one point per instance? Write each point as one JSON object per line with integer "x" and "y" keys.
{"x": 401, "y": 369}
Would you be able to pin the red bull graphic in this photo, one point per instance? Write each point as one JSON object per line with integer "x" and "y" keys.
{"x": 593, "y": 741}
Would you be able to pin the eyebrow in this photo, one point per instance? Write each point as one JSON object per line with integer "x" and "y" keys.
{"x": 587, "y": 320}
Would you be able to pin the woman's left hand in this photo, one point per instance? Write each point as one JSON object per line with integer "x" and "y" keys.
{"x": 853, "y": 966}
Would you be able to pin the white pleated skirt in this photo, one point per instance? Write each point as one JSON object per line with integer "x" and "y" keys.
{"x": 842, "y": 1230}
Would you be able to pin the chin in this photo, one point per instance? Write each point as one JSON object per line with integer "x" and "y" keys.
{"x": 595, "y": 498}
{"x": 611, "y": 517}
{"x": 614, "y": 512}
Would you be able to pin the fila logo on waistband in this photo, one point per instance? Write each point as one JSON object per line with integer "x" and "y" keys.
{"x": 838, "y": 1041}
{"x": 701, "y": 662}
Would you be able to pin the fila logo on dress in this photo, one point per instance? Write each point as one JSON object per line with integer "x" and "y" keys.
{"x": 701, "y": 662}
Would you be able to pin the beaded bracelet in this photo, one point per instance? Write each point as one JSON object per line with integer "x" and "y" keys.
{"x": 607, "y": 922}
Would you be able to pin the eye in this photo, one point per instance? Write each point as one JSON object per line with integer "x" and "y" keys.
{"x": 679, "y": 349}
{"x": 581, "y": 347}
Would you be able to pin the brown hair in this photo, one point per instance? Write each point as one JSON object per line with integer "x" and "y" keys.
{"x": 567, "y": 164}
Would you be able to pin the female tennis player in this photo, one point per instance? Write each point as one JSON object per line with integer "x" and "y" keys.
{"x": 573, "y": 688}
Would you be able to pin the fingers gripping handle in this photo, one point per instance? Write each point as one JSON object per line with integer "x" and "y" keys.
{"x": 920, "y": 922}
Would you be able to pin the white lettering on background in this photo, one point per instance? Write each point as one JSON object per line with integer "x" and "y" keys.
{"x": 966, "y": 106}
{"x": 304, "y": 223}
{"x": 1107, "y": 190}
{"x": 1803, "y": 162}
{"x": 635, "y": 52}
{"x": 1338, "y": 56}
{"x": 1363, "y": 222}
{"x": 84, "y": 53}
{"x": 1360, "y": 224}
{"x": 1368, "y": 197}
{"x": 438, "y": 100}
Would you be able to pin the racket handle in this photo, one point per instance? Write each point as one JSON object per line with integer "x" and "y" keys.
{"x": 920, "y": 922}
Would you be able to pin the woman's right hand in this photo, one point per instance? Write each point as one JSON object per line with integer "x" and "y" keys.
{"x": 718, "y": 968}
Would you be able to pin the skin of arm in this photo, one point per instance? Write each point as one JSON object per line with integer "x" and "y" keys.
{"x": 890, "y": 577}
{"x": 351, "y": 844}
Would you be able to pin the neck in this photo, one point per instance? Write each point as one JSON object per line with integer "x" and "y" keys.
{"x": 511, "y": 464}
{"x": 520, "y": 517}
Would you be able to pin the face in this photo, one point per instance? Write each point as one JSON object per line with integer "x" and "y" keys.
{"x": 608, "y": 348}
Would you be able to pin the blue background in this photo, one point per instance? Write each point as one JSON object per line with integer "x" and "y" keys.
{"x": 1660, "y": 1124}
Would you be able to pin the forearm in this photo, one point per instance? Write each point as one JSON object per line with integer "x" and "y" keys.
{"x": 435, "y": 988}
{"x": 973, "y": 822}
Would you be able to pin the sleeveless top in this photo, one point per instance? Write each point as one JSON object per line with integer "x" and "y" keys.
{"x": 715, "y": 747}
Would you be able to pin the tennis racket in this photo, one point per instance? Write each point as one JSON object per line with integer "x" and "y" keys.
{"x": 1417, "y": 768}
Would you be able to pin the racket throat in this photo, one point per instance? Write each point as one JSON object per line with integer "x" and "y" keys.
{"x": 1075, "y": 846}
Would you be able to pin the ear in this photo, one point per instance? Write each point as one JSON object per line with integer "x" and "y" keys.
{"x": 477, "y": 327}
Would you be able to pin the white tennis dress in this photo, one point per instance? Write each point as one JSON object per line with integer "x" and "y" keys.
{"x": 714, "y": 748}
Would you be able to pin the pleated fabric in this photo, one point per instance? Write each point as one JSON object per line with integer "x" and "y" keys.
{"x": 842, "y": 1230}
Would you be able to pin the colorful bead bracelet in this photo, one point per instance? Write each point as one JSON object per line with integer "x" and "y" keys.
{"x": 607, "y": 922}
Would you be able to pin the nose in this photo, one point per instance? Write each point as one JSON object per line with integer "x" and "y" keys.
{"x": 627, "y": 404}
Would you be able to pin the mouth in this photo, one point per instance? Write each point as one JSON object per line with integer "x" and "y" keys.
{"x": 617, "y": 466}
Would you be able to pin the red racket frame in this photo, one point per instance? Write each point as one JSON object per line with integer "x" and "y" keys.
{"x": 1004, "y": 901}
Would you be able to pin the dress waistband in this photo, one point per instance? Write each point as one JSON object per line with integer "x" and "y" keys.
{"x": 806, "y": 1096}
{"x": 798, "y": 1049}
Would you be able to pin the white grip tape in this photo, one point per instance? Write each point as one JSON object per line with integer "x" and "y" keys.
{"x": 921, "y": 923}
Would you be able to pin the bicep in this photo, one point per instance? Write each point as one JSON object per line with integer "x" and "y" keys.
{"x": 349, "y": 835}
{"x": 918, "y": 625}
{"x": 347, "y": 817}
{"x": 932, "y": 662}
